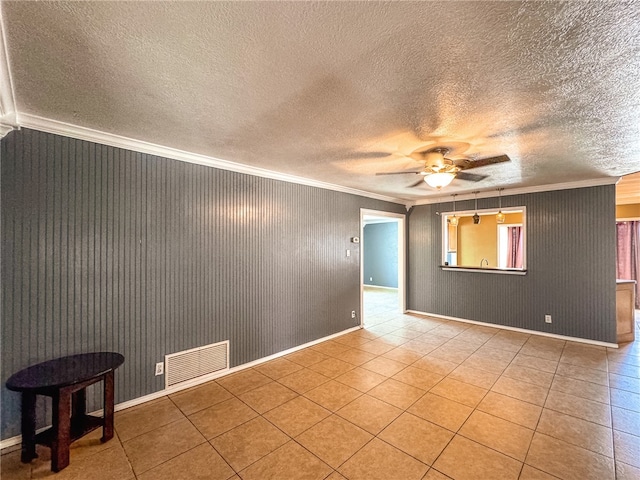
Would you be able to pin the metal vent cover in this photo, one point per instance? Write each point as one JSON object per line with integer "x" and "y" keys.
{"x": 196, "y": 362}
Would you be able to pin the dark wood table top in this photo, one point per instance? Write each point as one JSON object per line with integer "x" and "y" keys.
{"x": 65, "y": 371}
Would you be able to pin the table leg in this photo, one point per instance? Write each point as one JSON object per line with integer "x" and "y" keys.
{"x": 61, "y": 429}
{"x": 79, "y": 403}
{"x": 107, "y": 427}
{"x": 28, "y": 427}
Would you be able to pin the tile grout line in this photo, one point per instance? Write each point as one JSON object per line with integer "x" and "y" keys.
{"x": 535, "y": 429}
{"x": 613, "y": 436}
{"x": 456, "y": 433}
{"x": 476, "y": 409}
{"x": 413, "y": 402}
{"x": 135, "y": 476}
{"x": 161, "y": 426}
{"x": 207, "y": 440}
{"x": 404, "y": 410}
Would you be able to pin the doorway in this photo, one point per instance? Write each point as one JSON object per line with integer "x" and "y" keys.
{"x": 382, "y": 266}
{"x": 628, "y": 241}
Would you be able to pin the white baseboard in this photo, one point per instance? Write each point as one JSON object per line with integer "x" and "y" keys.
{"x": 379, "y": 287}
{"x": 516, "y": 329}
{"x": 9, "y": 442}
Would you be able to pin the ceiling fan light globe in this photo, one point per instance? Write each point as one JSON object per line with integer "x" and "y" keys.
{"x": 440, "y": 179}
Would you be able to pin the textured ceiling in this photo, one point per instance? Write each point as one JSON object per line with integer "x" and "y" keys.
{"x": 326, "y": 90}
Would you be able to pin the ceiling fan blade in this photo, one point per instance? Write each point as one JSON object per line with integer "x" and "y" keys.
{"x": 470, "y": 177}
{"x": 365, "y": 155}
{"x": 418, "y": 183}
{"x": 398, "y": 173}
{"x": 467, "y": 164}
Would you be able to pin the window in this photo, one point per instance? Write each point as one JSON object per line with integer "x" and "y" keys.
{"x": 485, "y": 244}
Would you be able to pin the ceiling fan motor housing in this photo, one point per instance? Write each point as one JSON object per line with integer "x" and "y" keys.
{"x": 436, "y": 163}
{"x": 434, "y": 160}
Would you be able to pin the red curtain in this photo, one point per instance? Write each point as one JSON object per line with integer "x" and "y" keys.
{"x": 514, "y": 256}
{"x": 628, "y": 253}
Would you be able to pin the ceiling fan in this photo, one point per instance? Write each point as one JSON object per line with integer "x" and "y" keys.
{"x": 439, "y": 171}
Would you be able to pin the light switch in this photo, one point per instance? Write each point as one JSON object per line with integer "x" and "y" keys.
{"x": 348, "y": 253}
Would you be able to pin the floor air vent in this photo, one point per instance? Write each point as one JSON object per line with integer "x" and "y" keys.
{"x": 197, "y": 362}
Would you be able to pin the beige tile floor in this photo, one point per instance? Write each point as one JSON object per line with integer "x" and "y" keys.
{"x": 405, "y": 398}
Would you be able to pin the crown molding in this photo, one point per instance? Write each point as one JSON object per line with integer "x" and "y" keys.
{"x": 5, "y": 128}
{"x": 7, "y": 96}
{"x": 595, "y": 182}
{"x": 82, "y": 133}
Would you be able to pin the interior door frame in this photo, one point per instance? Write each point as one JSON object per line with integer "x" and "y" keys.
{"x": 400, "y": 219}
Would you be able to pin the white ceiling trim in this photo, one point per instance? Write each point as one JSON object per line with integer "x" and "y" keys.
{"x": 91, "y": 135}
{"x": 596, "y": 182}
{"x": 82, "y": 133}
{"x": 7, "y": 94}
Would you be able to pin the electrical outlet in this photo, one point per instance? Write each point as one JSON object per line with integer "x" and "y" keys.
{"x": 371, "y": 279}
{"x": 547, "y": 319}
{"x": 348, "y": 253}
{"x": 159, "y": 368}
{"x": 353, "y": 314}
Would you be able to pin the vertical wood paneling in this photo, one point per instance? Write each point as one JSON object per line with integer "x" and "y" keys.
{"x": 108, "y": 249}
{"x": 570, "y": 261}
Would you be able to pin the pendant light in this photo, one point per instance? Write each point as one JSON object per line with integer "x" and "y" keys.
{"x": 500, "y": 217}
{"x": 476, "y": 217}
{"x": 453, "y": 221}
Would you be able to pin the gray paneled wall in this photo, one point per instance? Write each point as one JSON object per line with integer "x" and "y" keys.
{"x": 108, "y": 249}
{"x": 570, "y": 261}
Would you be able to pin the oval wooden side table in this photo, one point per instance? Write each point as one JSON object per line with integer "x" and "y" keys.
{"x": 65, "y": 380}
